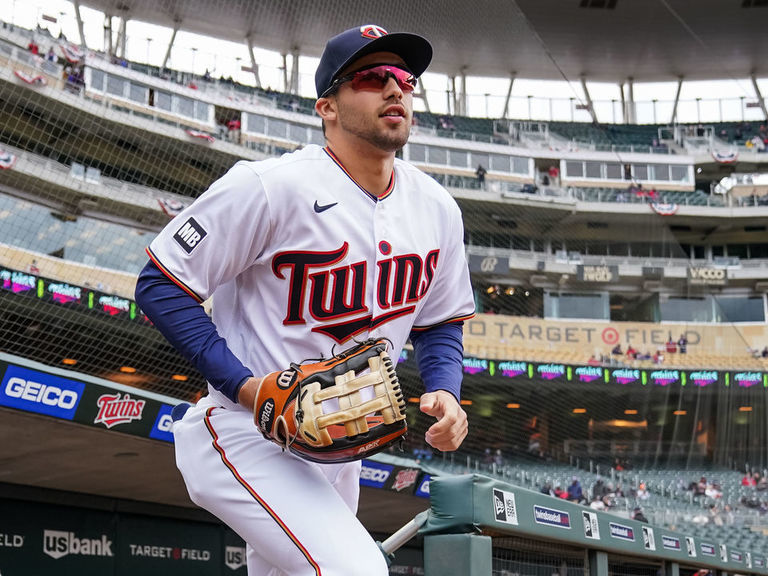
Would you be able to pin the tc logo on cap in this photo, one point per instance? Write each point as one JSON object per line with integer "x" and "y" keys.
{"x": 372, "y": 31}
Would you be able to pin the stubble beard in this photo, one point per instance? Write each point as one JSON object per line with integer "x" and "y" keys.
{"x": 390, "y": 140}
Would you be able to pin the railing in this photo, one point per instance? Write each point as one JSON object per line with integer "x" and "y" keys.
{"x": 470, "y": 516}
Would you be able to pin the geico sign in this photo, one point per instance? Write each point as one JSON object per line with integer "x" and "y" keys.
{"x": 707, "y": 273}
{"x": 41, "y": 393}
{"x": 374, "y": 474}
{"x": 165, "y": 423}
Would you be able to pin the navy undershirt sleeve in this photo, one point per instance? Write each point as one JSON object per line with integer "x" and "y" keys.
{"x": 184, "y": 323}
{"x": 439, "y": 355}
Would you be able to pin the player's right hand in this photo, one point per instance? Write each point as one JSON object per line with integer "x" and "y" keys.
{"x": 451, "y": 427}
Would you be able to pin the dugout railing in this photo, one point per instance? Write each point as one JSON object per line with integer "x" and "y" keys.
{"x": 478, "y": 526}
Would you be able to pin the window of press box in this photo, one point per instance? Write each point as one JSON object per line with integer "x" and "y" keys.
{"x": 593, "y": 306}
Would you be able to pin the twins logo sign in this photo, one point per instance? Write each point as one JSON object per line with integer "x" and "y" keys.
{"x": 504, "y": 507}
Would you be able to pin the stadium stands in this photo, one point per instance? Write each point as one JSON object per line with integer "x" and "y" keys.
{"x": 151, "y": 161}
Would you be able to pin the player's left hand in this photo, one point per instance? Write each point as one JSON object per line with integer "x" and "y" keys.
{"x": 449, "y": 431}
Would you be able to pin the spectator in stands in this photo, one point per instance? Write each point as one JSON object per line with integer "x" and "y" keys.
{"x": 233, "y": 128}
{"x": 713, "y": 491}
{"x": 560, "y": 493}
{"x": 617, "y": 350}
{"x": 682, "y": 344}
{"x": 554, "y": 175}
{"x": 643, "y": 356}
{"x": 749, "y": 480}
{"x": 700, "y": 488}
{"x": 33, "y": 47}
{"x": 33, "y": 269}
{"x": 671, "y": 346}
{"x": 534, "y": 444}
{"x": 597, "y": 503}
{"x": 764, "y": 353}
{"x": 758, "y": 144}
{"x": 51, "y": 56}
{"x": 446, "y": 123}
{"x": 642, "y": 492}
{"x": 75, "y": 78}
{"x": 594, "y": 361}
{"x": 575, "y": 492}
{"x": 480, "y": 173}
{"x": 547, "y": 489}
{"x": 631, "y": 352}
{"x": 658, "y": 357}
{"x": 599, "y": 489}
{"x": 637, "y": 514}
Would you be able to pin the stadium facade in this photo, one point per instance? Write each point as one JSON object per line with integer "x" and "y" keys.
{"x": 582, "y": 240}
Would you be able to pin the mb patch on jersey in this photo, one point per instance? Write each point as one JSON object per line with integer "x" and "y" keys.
{"x": 190, "y": 235}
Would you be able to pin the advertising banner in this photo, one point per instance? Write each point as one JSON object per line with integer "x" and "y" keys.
{"x": 45, "y": 539}
{"x": 158, "y": 546}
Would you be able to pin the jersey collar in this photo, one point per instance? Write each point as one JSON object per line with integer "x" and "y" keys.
{"x": 387, "y": 192}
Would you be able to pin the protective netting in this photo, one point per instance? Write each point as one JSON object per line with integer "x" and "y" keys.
{"x": 584, "y": 240}
{"x": 536, "y": 557}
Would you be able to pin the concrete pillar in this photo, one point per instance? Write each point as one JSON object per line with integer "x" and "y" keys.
{"x": 170, "y": 44}
{"x": 457, "y": 555}
{"x": 79, "y": 19}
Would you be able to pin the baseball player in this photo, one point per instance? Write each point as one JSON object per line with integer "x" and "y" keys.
{"x": 303, "y": 255}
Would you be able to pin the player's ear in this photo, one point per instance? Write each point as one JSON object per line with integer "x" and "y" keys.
{"x": 326, "y": 108}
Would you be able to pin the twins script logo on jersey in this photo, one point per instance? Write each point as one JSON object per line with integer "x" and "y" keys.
{"x": 335, "y": 296}
{"x": 114, "y": 409}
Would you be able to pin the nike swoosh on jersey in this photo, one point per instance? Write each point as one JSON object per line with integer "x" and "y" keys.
{"x": 324, "y": 207}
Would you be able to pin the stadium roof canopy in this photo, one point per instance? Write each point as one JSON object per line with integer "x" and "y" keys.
{"x": 602, "y": 40}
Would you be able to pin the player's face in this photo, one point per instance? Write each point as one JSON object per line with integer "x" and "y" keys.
{"x": 378, "y": 113}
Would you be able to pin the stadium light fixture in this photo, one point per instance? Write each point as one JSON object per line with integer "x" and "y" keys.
{"x": 179, "y": 377}
{"x": 745, "y": 408}
{"x": 630, "y": 412}
{"x": 680, "y": 412}
{"x": 513, "y": 405}
{"x": 579, "y": 410}
{"x": 69, "y": 361}
{"x": 128, "y": 369}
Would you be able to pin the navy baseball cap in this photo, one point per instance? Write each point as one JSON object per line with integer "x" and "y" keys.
{"x": 342, "y": 50}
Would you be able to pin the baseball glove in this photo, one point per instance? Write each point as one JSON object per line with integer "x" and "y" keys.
{"x": 337, "y": 410}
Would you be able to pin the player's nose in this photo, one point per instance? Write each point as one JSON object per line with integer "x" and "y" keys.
{"x": 392, "y": 89}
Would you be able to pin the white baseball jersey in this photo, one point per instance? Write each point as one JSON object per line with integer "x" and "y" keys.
{"x": 299, "y": 258}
